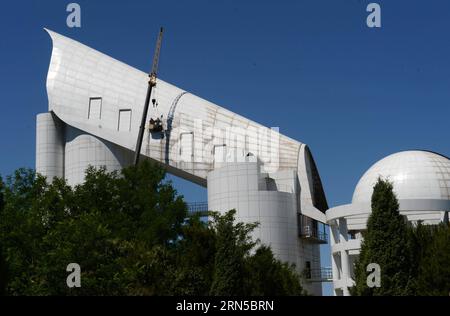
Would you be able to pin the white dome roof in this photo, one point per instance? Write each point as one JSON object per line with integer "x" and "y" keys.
{"x": 415, "y": 174}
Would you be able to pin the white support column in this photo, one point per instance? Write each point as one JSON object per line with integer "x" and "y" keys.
{"x": 334, "y": 239}
{"x": 343, "y": 237}
{"x": 49, "y": 146}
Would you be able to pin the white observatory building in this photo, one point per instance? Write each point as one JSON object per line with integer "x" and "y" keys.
{"x": 95, "y": 105}
{"x": 421, "y": 182}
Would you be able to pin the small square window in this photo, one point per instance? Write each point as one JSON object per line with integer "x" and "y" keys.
{"x": 186, "y": 144}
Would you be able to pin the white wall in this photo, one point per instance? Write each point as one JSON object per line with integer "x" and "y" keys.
{"x": 239, "y": 186}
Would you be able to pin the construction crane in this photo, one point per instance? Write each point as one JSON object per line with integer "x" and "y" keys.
{"x": 155, "y": 125}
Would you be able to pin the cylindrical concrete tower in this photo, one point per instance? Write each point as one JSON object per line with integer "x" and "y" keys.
{"x": 83, "y": 150}
{"x": 49, "y": 145}
{"x": 269, "y": 199}
{"x": 66, "y": 152}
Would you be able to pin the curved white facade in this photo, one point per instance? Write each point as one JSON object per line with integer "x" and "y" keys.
{"x": 78, "y": 74}
{"x": 95, "y": 108}
{"x": 90, "y": 91}
{"x": 421, "y": 182}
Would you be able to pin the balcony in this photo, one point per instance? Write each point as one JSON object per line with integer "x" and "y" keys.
{"x": 313, "y": 235}
{"x": 323, "y": 274}
{"x": 311, "y": 230}
{"x": 198, "y": 208}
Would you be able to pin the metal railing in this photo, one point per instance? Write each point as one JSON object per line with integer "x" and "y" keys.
{"x": 323, "y": 274}
{"x": 311, "y": 230}
{"x": 197, "y": 207}
{"x": 310, "y": 233}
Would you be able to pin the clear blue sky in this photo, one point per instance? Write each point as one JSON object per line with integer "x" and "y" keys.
{"x": 313, "y": 68}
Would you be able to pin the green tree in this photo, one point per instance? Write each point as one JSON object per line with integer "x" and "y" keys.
{"x": 131, "y": 234}
{"x": 122, "y": 231}
{"x": 195, "y": 258}
{"x": 385, "y": 243}
{"x": 233, "y": 242}
{"x": 419, "y": 238}
{"x": 239, "y": 269}
{"x": 271, "y": 277}
{"x": 46, "y": 226}
{"x": 433, "y": 273}
{"x": 3, "y": 273}
{"x": 22, "y": 229}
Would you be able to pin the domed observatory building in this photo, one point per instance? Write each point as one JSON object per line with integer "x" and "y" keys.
{"x": 421, "y": 181}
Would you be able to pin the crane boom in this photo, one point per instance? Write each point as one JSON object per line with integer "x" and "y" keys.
{"x": 151, "y": 84}
{"x": 157, "y": 51}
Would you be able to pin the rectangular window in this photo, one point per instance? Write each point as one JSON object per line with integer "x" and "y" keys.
{"x": 124, "y": 120}
{"x": 95, "y": 108}
{"x": 219, "y": 155}
{"x": 308, "y": 270}
{"x": 186, "y": 144}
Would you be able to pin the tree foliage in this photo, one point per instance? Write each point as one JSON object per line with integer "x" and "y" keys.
{"x": 270, "y": 276}
{"x": 433, "y": 269}
{"x": 2, "y": 259}
{"x": 386, "y": 244}
{"x": 232, "y": 244}
{"x": 413, "y": 258}
{"x": 131, "y": 234}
